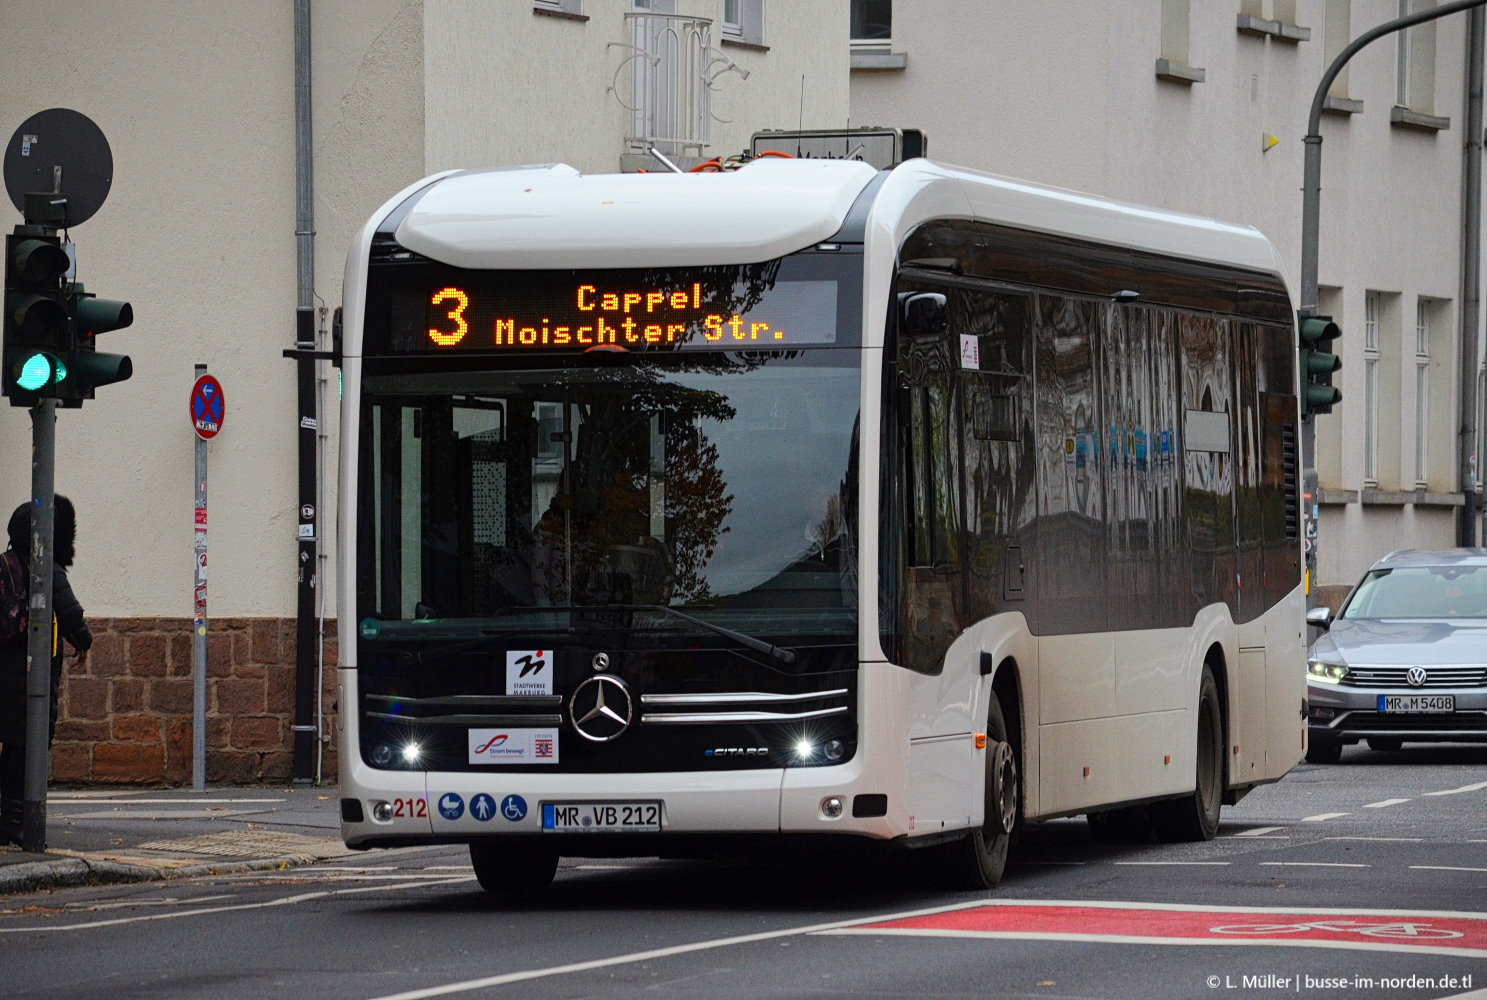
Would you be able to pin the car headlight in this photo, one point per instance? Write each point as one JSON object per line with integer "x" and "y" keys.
{"x": 1324, "y": 672}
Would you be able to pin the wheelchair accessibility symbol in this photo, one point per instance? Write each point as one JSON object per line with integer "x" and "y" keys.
{"x": 514, "y": 808}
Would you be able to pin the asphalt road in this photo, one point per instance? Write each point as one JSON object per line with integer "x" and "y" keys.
{"x": 1361, "y": 880}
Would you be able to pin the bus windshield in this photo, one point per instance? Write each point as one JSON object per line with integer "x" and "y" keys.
{"x": 724, "y": 485}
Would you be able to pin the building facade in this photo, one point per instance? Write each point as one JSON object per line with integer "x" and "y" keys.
{"x": 1202, "y": 108}
{"x": 200, "y": 232}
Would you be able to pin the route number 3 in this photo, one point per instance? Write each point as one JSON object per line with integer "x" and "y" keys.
{"x": 457, "y": 313}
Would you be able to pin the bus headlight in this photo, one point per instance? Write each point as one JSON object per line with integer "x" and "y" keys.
{"x": 382, "y": 812}
{"x": 381, "y": 755}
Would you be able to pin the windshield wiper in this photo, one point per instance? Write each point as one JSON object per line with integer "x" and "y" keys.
{"x": 782, "y": 653}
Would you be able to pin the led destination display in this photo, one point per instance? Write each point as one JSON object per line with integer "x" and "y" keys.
{"x": 717, "y": 308}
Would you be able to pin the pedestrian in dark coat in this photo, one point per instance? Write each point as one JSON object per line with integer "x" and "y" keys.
{"x": 68, "y": 624}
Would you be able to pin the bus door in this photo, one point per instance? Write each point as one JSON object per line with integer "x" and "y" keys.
{"x": 965, "y": 461}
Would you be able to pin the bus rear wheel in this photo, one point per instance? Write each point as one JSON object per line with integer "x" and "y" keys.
{"x": 1196, "y": 816}
{"x": 513, "y": 870}
{"x": 978, "y": 860}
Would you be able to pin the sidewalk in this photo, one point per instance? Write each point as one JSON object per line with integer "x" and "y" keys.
{"x": 132, "y": 835}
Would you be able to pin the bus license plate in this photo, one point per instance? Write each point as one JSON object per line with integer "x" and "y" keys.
{"x": 601, "y": 817}
{"x": 1417, "y": 703}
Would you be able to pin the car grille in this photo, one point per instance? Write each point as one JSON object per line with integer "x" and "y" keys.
{"x": 1435, "y": 677}
{"x": 1465, "y": 723}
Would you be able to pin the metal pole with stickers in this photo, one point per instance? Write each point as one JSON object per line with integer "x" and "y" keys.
{"x": 207, "y": 408}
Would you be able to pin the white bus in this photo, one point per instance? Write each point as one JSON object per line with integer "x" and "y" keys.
{"x": 685, "y": 512}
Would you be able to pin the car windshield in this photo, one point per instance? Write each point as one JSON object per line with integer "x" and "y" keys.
{"x": 1420, "y": 592}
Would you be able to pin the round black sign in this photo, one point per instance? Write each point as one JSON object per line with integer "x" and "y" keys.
{"x": 65, "y": 139}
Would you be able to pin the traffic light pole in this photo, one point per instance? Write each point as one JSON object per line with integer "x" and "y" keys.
{"x": 39, "y": 626}
{"x": 1311, "y": 208}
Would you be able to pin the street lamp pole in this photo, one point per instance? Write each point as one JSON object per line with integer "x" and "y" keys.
{"x": 1311, "y": 208}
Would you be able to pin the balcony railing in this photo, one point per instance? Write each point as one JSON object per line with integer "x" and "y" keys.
{"x": 666, "y": 81}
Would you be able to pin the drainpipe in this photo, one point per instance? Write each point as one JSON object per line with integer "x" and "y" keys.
{"x": 1471, "y": 267}
{"x": 307, "y": 559}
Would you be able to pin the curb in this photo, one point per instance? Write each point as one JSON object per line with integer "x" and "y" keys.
{"x": 66, "y": 872}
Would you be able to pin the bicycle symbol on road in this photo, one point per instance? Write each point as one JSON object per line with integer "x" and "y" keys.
{"x": 1397, "y": 930}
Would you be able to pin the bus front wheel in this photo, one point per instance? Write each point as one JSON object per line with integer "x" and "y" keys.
{"x": 978, "y": 861}
{"x": 512, "y": 869}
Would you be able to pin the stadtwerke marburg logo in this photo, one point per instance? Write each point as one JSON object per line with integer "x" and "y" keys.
{"x": 529, "y": 671}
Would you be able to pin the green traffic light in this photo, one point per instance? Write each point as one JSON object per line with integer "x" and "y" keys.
{"x": 38, "y": 370}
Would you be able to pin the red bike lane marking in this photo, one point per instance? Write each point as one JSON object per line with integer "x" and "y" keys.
{"x": 1383, "y": 931}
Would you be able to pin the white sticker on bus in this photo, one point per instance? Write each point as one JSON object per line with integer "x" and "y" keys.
{"x": 513, "y": 746}
{"x": 529, "y": 671}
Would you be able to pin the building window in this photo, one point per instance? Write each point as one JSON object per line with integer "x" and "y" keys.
{"x": 1337, "y": 34}
{"x": 1280, "y": 25}
{"x": 743, "y": 21}
{"x": 872, "y": 24}
{"x": 1422, "y": 392}
{"x": 1414, "y": 72}
{"x": 1173, "y": 64}
{"x": 1371, "y": 306}
{"x": 571, "y": 8}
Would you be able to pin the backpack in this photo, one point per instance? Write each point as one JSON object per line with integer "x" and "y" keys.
{"x": 13, "y": 589}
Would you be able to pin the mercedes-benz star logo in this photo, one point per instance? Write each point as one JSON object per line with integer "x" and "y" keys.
{"x": 601, "y": 708}
{"x": 1416, "y": 676}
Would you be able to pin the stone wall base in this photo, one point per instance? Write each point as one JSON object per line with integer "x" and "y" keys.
{"x": 127, "y": 717}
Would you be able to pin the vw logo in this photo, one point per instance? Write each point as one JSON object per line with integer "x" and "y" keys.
{"x": 601, "y": 708}
{"x": 1416, "y": 676}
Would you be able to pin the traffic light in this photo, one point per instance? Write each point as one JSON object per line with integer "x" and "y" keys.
{"x": 86, "y": 366}
{"x": 1317, "y": 365}
{"x": 35, "y": 337}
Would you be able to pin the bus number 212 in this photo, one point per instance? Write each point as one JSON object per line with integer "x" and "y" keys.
{"x": 410, "y": 808}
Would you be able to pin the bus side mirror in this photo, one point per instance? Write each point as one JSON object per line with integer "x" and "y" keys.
{"x": 922, "y": 316}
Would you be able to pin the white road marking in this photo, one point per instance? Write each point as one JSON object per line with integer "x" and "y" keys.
{"x": 285, "y": 901}
{"x": 126, "y": 904}
{"x": 1384, "y": 804}
{"x": 1464, "y": 788}
{"x": 1211, "y": 864}
{"x": 1319, "y": 817}
{"x": 1260, "y": 831}
{"x": 117, "y": 922}
{"x": 527, "y": 975}
{"x": 1385, "y": 840}
{"x": 1444, "y": 868}
{"x": 1313, "y": 864}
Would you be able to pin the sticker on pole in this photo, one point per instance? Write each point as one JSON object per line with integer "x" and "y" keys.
{"x": 207, "y": 407}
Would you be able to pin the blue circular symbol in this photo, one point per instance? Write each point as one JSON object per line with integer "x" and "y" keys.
{"x": 451, "y": 806}
{"x": 514, "y": 808}
{"x": 482, "y": 807}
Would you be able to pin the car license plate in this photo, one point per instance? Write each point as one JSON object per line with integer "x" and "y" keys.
{"x": 1417, "y": 703}
{"x": 601, "y": 817}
